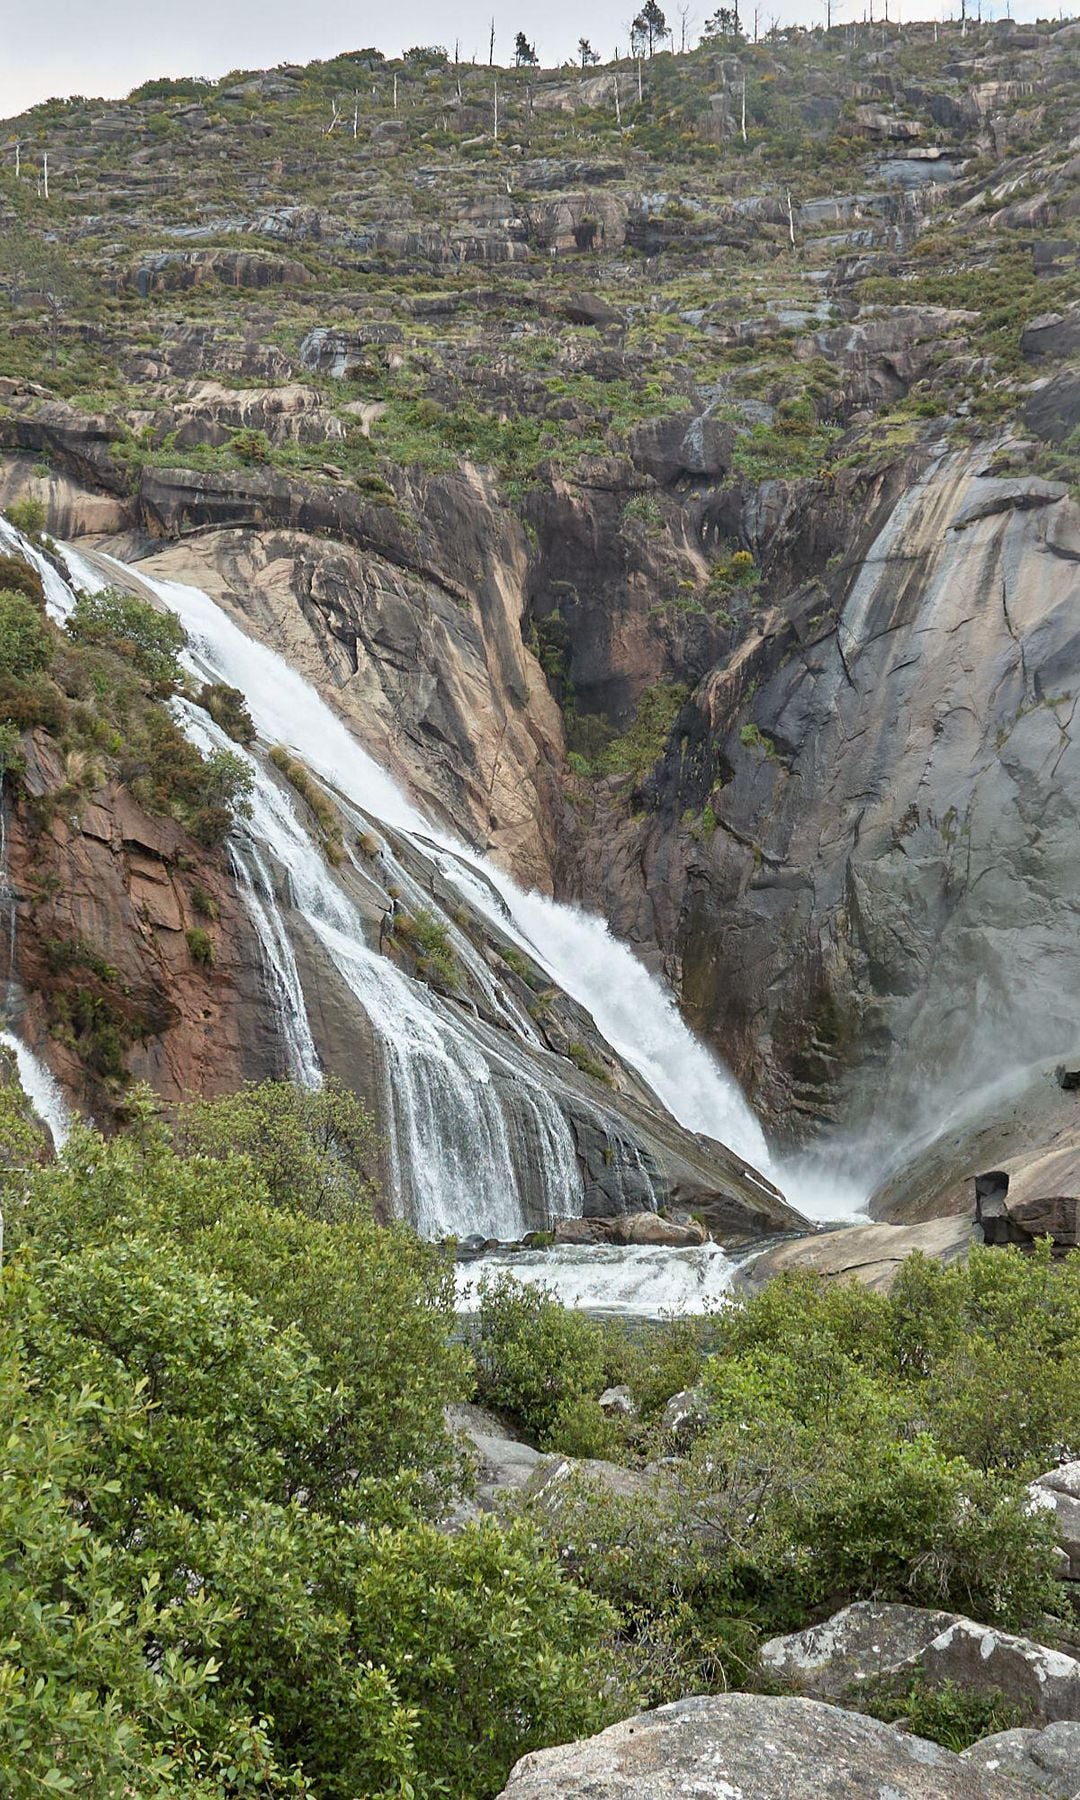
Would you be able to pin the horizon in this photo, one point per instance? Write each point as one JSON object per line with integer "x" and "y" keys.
{"x": 133, "y": 45}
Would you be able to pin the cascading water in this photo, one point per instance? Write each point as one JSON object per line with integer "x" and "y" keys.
{"x": 42, "y": 1091}
{"x": 632, "y": 1009}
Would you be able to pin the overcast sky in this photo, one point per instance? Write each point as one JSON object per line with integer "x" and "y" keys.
{"x": 105, "y": 47}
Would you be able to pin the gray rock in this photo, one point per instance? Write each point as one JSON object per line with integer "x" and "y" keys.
{"x": 618, "y": 1402}
{"x": 868, "y": 1254}
{"x": 1051, "y": 334}
{"x": 1058, "y": 1491}
{"x": 502, "y": 1464}
{"x": 1047, "y": 1760}
{"x": 683, "y": 446}
{"x": 754, "y": 1747}
{"x": 867, "y": 1641}
{"x": 685, "y": 1414}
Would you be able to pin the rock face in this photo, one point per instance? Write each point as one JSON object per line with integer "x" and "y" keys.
{"x": 1011, "y": 1158}
{"x": 104, "y": 901}
{"x": 735, "y": 1746}
{"x": 872, "y": 757}
{"x": 868, "y": 1254}
{"x": 872, "y": 1642}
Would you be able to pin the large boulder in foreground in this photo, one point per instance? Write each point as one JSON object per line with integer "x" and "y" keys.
{"x": 871, "y": 1642}
{"x": 755, "y": 1747}
{"x": 1058, "y": 1491}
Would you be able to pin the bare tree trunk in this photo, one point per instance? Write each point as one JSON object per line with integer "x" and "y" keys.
{"x": 790, "y": 220}
{"x": 495, "y": 133}
{"x": 618, "y": 108}
{"x": 491, "y": 46}
{"x": 744, "y": 109}
{"x": 45, "y": 174}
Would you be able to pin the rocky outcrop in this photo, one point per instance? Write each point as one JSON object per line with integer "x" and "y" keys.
{"x": 868, "y": 1254}
{"x": 872, "y": 758}
{"x": 105, "y": 896}
{"x": 872, "y": 1642}
{"x": 734, "y": 1745}
{"x": 631, "y": 1228}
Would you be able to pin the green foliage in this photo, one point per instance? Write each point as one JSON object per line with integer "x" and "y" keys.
{"x": 315, "y": 1149}
{"x": 429, "y": 938}
{"x": 200, "y": 946}
{"x": 311, "y": 793}
{"x": 582, "y": 1058}
{"x": 27, "y": 516}
{"x": 633, "y": 754}
{"x": 151, "y": 640}
{"x": 946, "y": 1715}
{"x": 535, "y": 1359}
{"x": 252, "y": 1380}
{"x": 26, "y": 646}
{"x": 19, "y": 577}
{"x": 228, "y": 708}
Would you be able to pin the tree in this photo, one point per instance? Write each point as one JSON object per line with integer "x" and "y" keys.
{"x": 524, "y": 52}
{"x": 650, "y": 27}
{"x": 147, "y": 636}
{"x": 586, "y": 52}
{"x": 723, "y": 23}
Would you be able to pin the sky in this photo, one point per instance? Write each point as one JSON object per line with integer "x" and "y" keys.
{"x": 106, "y": 47}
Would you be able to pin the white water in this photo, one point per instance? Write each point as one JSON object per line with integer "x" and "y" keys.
{"x": 638, "y": 1281}
{"x": 40, "y": 1088}
{"x": 632, "y": 1009}
{"x": 464, "y": 1119}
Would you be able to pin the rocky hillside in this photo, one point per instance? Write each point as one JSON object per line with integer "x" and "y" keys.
{"x": 671, "y": 481}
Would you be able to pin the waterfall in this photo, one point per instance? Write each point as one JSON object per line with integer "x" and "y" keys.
{"x": 632, "y": 1009}
{"x": 40, "y": 1088}
{"x": 471, "y": 1124}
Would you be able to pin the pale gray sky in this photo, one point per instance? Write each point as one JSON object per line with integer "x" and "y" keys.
{"x": 105, "y": 47}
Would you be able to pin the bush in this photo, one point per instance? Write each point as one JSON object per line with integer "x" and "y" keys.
{"x": 150, "y": 639}
{"x": 228, "y": 708}
{"x": 200, "y": 946}
{"x": 19, "y": 577}
{"x": 25, "y": 640}
{"x": 311, "y": 793}
{"x": 534, "y": 1358}
{"x": 27, "y": 516}
{"x": 946, "y": 1714}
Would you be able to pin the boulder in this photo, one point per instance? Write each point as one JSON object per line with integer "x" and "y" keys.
{"x": 617, "y": 1402}
{"x": 546, "y": 1487}
{"x": 1051, "y": 334}
{"x": 868, "y": 1641}
{"x": 868, "y": 1254}
{"x": 502, "y": 1464}
{"x": 1058, "y": 1491}
{"x": 685, "y": 1414}
{"x": 631, "y": 1228}
{"x": 1047, "y": 1760}
{"x": 754, "y": 1747}
{"x": 683, "y": 447}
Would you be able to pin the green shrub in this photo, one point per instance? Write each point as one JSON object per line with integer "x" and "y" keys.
{"x": 582, "y": 1058}
{"x": 18, "y": 577}
{"x": 150, "y": 639}
{"x": 946, "y": 1714}
{"x": 534, "y": 1358}
{"x": 311, "y": 793}
{"x": 26, "y": 646}
{"x": 27, "y": 516}
{"x": 429, "y": 938}
{"x": 200, "y": 946}
{"x": 204, "y": 904}
{"x": 228, "y": 708}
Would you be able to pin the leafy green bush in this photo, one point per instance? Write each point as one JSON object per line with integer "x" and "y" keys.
{"x": 228, "y": 708}
{"x": 25, "y": 641}
{"x": 28, "y": 516}
{"x": 256, "y": 1400}
{"x": 429, "y": 938}
{"x": 200, "y": 946}
{"x": 534, "y": 1358}
{"x": 149, "y": 638}
{"x": 946, "y": 1714}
